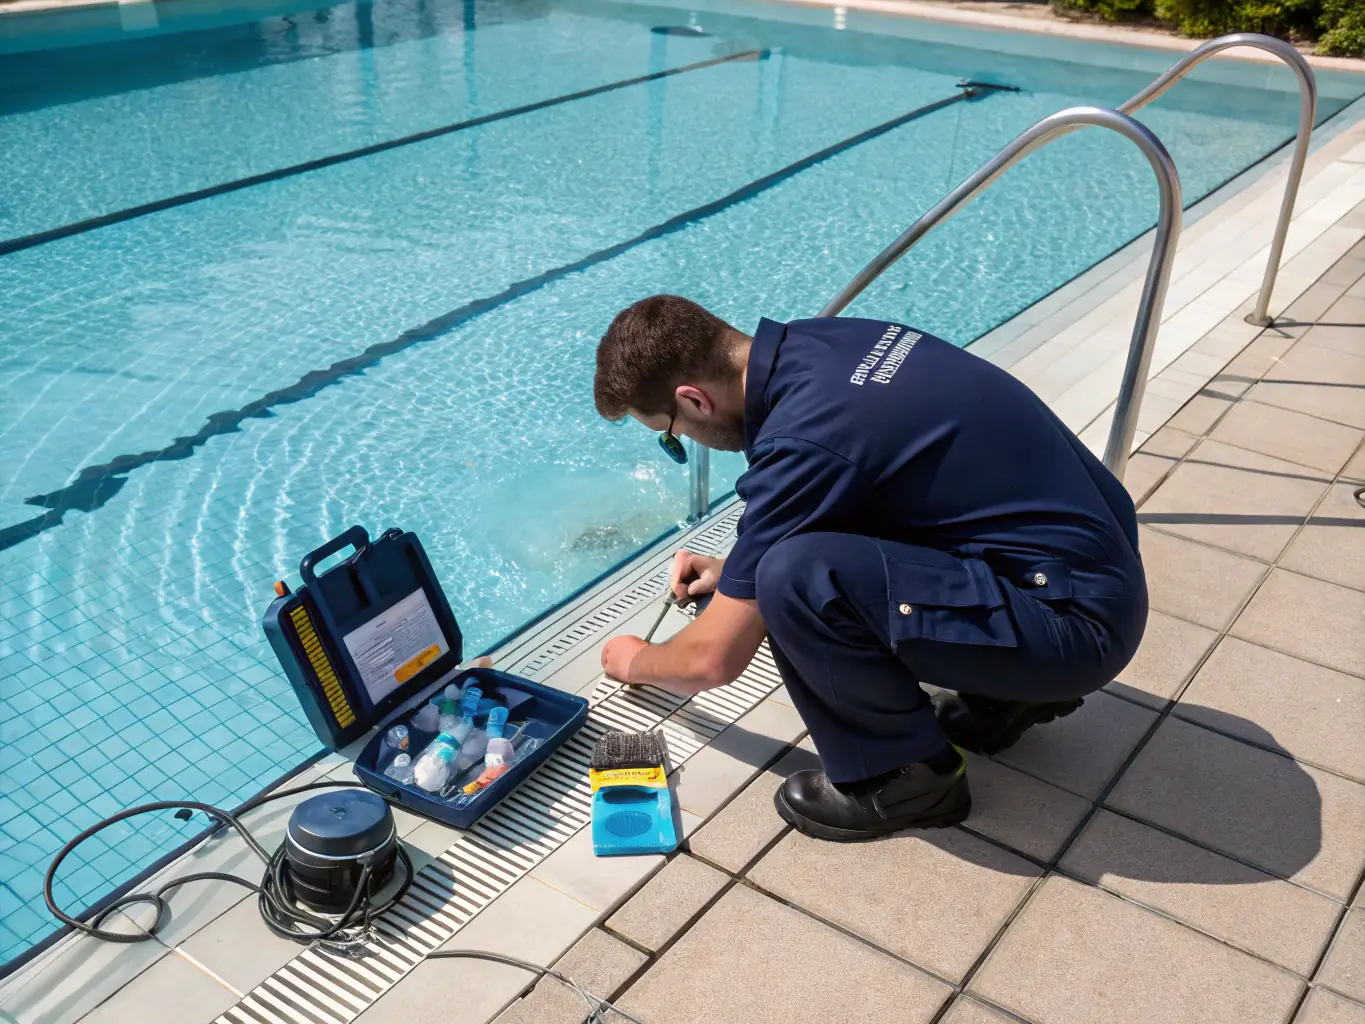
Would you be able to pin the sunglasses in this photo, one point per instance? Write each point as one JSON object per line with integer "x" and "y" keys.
{"x": 672, "y": 447}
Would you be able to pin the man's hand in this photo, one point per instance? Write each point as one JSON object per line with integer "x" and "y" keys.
{"x": 617, "y": 655}
{"x": 694, "y": 575}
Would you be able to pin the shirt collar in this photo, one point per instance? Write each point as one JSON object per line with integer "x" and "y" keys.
{"x": 762, "y": 354}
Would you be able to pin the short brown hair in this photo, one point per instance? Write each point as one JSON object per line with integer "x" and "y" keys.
{"x": 651, "y": 348}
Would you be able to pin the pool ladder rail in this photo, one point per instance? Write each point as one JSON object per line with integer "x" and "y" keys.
{"x": 1148, "y": 319}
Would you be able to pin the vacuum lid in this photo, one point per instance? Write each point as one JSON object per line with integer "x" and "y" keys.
{"x": 343, "y": 823}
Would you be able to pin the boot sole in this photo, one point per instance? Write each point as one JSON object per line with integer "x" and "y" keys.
{"x": 819, "y": 830}
{"x": 1037, "y": 714}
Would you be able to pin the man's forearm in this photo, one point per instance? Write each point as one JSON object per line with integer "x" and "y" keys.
{"x": 680, "y": 665}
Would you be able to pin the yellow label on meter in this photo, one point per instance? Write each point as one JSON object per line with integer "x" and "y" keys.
{"x": 410, "y": 668}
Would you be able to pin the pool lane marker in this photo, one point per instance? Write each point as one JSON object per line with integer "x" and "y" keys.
{"x": 170, "y": 202}
{"x": 96, "y": 485}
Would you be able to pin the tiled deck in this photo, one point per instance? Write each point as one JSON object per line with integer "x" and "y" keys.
{"x": 1187, "y": 848}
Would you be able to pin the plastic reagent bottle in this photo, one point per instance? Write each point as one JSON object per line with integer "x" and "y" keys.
{"x": 431, "y": 770}
{"x": 401, "y": 770}
{"x": 500, "y": 754}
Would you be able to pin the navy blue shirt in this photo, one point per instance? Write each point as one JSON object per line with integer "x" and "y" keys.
{"x": 873, "y": 428}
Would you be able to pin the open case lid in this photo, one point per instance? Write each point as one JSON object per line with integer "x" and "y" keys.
{"x": 375, "y": 628}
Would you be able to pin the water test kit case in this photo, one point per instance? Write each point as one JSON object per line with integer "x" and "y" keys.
{"x": 368, "y": 641}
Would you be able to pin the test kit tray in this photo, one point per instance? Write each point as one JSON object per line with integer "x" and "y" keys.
{"x": 371, "y": 642}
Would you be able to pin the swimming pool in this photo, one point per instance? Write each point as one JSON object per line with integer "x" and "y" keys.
{"x": 192, "y": 396}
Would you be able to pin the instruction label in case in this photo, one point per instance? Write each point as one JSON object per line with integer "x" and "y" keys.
{"x": 393, "y": 647}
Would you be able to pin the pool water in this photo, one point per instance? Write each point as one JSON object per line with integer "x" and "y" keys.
{"x": 193, "y": 398}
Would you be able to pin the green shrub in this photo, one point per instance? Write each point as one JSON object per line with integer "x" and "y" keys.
{"x": 1343, "y": 25}
{"x": 1109, "y": 10}
{"x": 1215, "y": 17}
{"x": 1339, "y": 25}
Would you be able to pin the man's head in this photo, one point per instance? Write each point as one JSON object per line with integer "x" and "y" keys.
{"x": 666, "y": 359}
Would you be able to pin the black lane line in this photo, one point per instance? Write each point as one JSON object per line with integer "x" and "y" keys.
{"x": 157, "y": 205}
{"x": 97, "y": 484}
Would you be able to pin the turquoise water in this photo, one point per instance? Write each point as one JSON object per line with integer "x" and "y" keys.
{"x": 179, "y": 421}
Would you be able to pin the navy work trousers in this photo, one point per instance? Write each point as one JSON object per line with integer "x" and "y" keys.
{"x": 857, "y": 623}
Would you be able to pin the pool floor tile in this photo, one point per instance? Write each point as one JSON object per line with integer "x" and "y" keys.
{"x": 1270, "y": 917}
{"x": 1221, "y": 792}
{"x": 768, "y": 976}
{"x": 239, "y": 948}
{"x": 1081, "y": 752}
{"x": 1316, "y": 714}
{"x": 1076, "y": 955}
{"x": 934, "y": 897}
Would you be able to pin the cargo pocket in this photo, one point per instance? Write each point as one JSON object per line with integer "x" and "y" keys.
{"x": 955, "y": 601}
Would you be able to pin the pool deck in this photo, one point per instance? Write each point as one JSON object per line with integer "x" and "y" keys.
{"x": 1187, "y": 848}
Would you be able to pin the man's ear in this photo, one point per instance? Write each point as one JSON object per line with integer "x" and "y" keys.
{"x": 697, "y": 399}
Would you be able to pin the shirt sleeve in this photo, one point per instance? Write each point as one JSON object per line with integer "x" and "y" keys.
{"x": 791, "y": 486}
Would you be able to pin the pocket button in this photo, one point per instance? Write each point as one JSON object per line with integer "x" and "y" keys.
{"x": 1039, "y": 580}
{"x": 906, "y": 609}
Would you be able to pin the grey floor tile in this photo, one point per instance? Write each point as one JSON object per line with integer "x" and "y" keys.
{"x": 1292, "y": 436}
{"x": 530, "y": 921}
{"x": 598, "y": 963}
{"x": 1159, "y": 453}
{"x": 1344, "y": 968}
{"x": 1342, "y": 327}
{"x": 1314, "y": 713}
{"x": 1238, "y": 904}
{"x": 1082, "y": 751}
{"x": 667, "y": 902}
{"x": 714, "y": 774}
{"x": 239, "y": 948}
{"x": 171, "y": 991}
{"x": 749, "y": 822}
{"x": 1170, "y": 650}
{"x": 1324, "y": 1007}
{"x": 1319, "y": 381}
{"x": 1194, "y": 582}
{"x": 1308, "y": 618}
{"x": 1355, "y": 469}
{"x": 1020, "y": 811}
{"x": 79, "y": 973}
{"x": 1331, "y": 545}
{"x": 1236, "y": 499}
{"x": 1222, "y": 793}
{"x": 934, "y": 897}
{"x": 751, "y": 960}
{"x": 602, "y": 883}
{"x": 1200, "y": 413}
{"x": 969, "y": 1011}
{"x": 1076, "y": 955}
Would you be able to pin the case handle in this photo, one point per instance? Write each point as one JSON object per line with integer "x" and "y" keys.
{"x": 355, "y": 537}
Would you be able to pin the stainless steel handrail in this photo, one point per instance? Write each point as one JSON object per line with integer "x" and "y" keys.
{"x": 1308, "y": 103}
{"x": 1158, "y": 269}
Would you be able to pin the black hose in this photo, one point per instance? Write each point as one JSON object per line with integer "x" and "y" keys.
{"x": 280, "y": 913}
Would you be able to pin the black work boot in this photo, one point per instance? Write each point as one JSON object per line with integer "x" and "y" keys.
{"x": 916, "y": 796}
{"x": 986, "y": 726}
